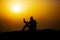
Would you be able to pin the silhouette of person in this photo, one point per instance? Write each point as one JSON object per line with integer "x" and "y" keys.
{"x": 31, "y": 24}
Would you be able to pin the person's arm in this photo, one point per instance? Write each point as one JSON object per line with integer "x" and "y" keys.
{"x": 24, "y": 20}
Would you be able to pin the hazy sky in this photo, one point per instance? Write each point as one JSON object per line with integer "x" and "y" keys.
{"x": 45, "y": 12}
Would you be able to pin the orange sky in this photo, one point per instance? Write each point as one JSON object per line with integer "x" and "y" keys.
{"x": 44, "y": 11}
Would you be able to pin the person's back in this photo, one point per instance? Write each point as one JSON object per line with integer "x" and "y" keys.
{"x": 32, "y": 24}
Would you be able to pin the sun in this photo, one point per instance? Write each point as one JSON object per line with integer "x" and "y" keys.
{"x": 16, "y": 8}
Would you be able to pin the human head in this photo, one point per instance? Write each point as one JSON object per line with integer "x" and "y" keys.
{"x": 31, "y": 18}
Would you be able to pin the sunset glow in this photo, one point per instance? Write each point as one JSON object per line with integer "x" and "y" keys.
{"x": 13, "y": 12}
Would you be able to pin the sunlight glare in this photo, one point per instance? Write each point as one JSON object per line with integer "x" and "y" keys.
{"x": 16, "y": 8}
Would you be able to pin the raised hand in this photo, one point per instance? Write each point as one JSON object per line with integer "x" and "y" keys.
{"x": 23, "y": 18}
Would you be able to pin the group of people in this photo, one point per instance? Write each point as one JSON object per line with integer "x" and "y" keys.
{"x": 31, "y": 24}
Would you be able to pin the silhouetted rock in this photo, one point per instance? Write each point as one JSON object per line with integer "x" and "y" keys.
{"x": 19, "y": 34}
